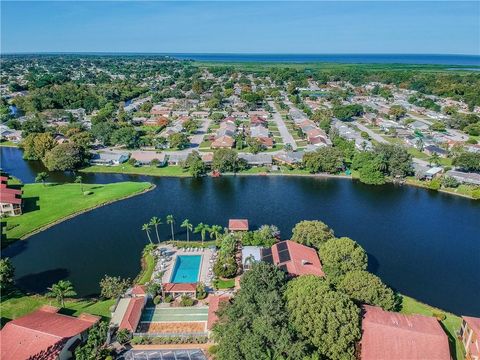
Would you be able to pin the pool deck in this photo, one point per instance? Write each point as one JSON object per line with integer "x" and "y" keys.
{"x": 205, "y": 263}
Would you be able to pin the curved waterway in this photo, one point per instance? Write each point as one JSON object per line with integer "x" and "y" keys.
{"x": 424, "y": 244}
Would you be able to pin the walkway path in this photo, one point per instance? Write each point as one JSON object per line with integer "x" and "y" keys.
{"x": 287, "y": 138}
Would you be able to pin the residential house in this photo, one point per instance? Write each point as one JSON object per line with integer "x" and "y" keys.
{"x": 44, "y": 334}
{"x": 109, "y": 158}
{"x": 465, "y": 177}
{"x": 288, "y": 157}
{"x": 177, "y": 158}
{"x": 146, "y": 157}
{"x": 259, "y": 131}
{"x": 223, "y": 142}
{"x": 257, "y": 159}
{"x": 433, "y": 172}
{"x": 250, "y": 255}
{"x": 470, "y": 334}
{"x": 396, "y": 336}
{"x": 434, "y": 149}
{"x": 294, "y": 258}
{"x": 10, "y": 199}
{"x": 128, "y": 312}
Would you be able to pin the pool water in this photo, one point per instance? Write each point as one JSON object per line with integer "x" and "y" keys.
{"x": 186, "y": 269}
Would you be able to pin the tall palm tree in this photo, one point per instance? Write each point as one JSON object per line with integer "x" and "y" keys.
{"x": 171, "y": 221}
{"x": 186, "y": 224}
{"x": 146, "y": 228}
{"x": 434, "y": 159}
{"x": 202, "y": 229}
{"x": 79, "y": 180}
{"x": 155, "y": 221}
{"x": 61, "y": 290}
{"x": 215, "y": 231}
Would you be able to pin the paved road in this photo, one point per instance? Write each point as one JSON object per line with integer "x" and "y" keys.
{"x": 371, "y": 133}
{"x": 197, "y": 138}
{"x": 287, "y": 138}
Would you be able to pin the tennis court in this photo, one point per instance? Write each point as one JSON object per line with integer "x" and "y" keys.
{"x": 179, "y": 314}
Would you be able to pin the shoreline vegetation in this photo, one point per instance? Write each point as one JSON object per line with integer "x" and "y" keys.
{"x": 177, "y": 171}
{"x": 75, "y": 199}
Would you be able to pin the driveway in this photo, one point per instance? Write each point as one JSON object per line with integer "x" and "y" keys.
{"x": 287, "y": 138}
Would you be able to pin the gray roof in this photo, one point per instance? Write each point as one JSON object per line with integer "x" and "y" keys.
{"x": 257, "y": 159}
{"x": 251, "y": 251}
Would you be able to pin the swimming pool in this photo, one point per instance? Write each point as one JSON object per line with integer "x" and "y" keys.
{"x": 186, "y": 269}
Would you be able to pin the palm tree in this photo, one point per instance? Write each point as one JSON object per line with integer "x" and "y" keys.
{"x": 215, "y": 231}
{"x": 186, "y": 224}
{"x": 41, "y": 177}
{"x": 61, "y": 290}
{"x": 155, "y": 221}
{"x": 202, "y": 229}
{"x": 434, "y": 159}
{"x": 79, "y": 180}
{"x": 146, "y": 228}
{"x": 171, "y": 221}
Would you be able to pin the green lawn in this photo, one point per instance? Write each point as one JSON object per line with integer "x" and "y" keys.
{"x": 17, "y": 304}
{"x": 44, "y": 205}
{"x": 224, "y": 284}
{"x": 8, "y": 144}
{"x": 148, "y": 265}
{"x": 140, "y": 170}
{"x": 451, "y": 324}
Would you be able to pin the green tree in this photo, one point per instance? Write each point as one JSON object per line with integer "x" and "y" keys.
{"x": 41, "y": 177}
{"x": 325, "y": 159}
{"x": 7, "y": 272}
{"x": 64, "y": 157}
{"x": 146, "y": 228}
{"x": 327, "y": 320}
{"x": 195, "y": 165}
{"x": 397, "y": 112}
{"x": 366, "y": 288}
{"x": 112, "y": 287}
{"x": 95, "y": 346}
{"x": 202, "y": 229}
{"x": 36, "y": 145}
{"x": 253, "y": 326}
{"x": 467, "y": 161}
{"x": 225, "y": 160}
{"x": 61, "y": 290}
{"x": 126, "y": 135}
{"x": 178, "y": 141}
{"x": 311, "y": 233}
{"x": 155, "y": 221}
{"x": 171, "y": 222}
{"x": 215, "y": 231}
{"x": 342, "y": 255}
{"x": 434, "y": 159}
{"x": 188, "y": 226}
{"x": 371, "y": 174}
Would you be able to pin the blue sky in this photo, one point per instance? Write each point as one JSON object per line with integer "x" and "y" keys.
{"x": 442, "y": 27}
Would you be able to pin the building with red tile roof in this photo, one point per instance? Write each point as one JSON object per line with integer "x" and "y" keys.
{"x": 238, "y": 225}
{"x": 470, "y": 333}
{"x": 223, "y": 142}
{"x": 133, "y": 313}
{"x": 138, "y": 290}
{"x": 213, "y": 305}
{"x": 176, "y": 289}
{"x": 395, "y": 336}
{"x": 44, "y": 334}
{"x": 10, "y": 199}
{"x": 294, "y": 258}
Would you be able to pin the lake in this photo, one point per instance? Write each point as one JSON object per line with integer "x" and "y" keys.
{"x": 424, "y": 244}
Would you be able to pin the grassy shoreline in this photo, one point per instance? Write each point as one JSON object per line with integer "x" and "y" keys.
{"x": 42, "y": 209}
{"x": 177, "y": 171}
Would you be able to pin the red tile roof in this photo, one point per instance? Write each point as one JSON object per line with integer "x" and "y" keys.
{"x": 395, "y": 336}
{"x": 238, "y": 225}
{"x": 223, "y": 142}
{"x": 138, "y": 290}
{"x": 473, "y": 323}
{"x": 8, "y": 195}
{"x": 132, "y": 315}
{"x": 213, "y": 305}
{"x": 303, "y": 259}
{"x": 42, "y": 331}
{"x": 180, "y": 287}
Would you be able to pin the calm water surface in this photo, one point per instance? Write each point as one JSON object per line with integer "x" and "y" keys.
{"x": 424, "y": 244}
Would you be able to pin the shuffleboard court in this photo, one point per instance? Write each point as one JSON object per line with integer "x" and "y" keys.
{"x": 185, "y": 314}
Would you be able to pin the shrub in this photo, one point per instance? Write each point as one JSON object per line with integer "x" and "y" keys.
{"x": 201, "y": 291}
{"x": 123, "y": 336}
{"x": 434, "y": 184}
{"x": 440, "y": 316}
{"x": 449, "y": 182}
{"x": 225, "y": 267}
{"x": 168, "y": 299}
{"x": 157, "y": 299}
{"x": 186, "y": 301}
